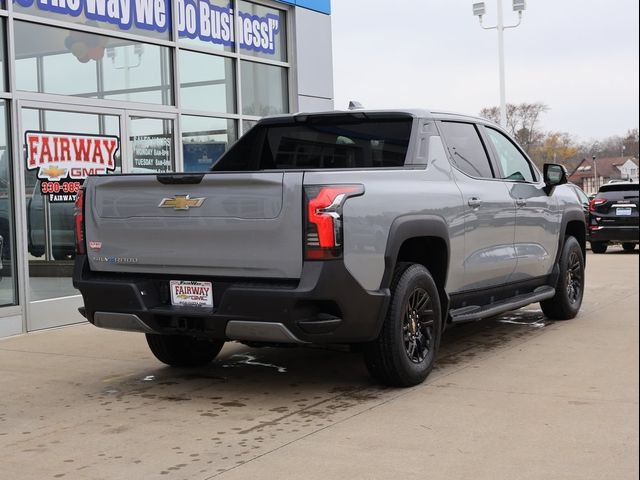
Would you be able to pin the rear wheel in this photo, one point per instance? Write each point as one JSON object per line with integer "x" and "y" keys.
{"x": 629, "y": 247}
{"x": 598, "y": 247}
{"x": 182, "y": 350}
{"x": 570, "y": 288}
{"x": 404, "y": 353}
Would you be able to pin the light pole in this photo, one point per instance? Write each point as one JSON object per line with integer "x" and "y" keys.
{"x": 595, "y": 174}
{"x": 479, "y": 10}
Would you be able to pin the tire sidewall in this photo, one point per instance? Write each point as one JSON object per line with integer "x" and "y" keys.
{"x": 571, "y": 245}
{"x": 415, "y": 276}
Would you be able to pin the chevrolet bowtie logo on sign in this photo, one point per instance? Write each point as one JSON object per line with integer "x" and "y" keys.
{"x": 181, "y": 202}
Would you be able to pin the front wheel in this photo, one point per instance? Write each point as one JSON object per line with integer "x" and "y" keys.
{"x": 598, "y": 247}
{"x": 404, "y": 353}
{"x": 182, "y": 350}
{"x": 629, "y": 247}
{"x": 570, "y": 288}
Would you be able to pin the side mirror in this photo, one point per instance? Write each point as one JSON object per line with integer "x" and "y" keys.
{"x": 554, "y": 175}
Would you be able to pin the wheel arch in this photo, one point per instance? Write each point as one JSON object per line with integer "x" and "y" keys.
{"x": 573, "y": 225}
{"x": 422, "y": 239}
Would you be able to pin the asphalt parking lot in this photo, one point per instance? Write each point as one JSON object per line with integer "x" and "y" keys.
{"x": 515, "y": 397}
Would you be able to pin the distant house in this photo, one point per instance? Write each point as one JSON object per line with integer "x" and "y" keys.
{"x": 605, "y": 169}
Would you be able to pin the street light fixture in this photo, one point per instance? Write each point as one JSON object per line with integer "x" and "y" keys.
{"x": 479, "y": 10}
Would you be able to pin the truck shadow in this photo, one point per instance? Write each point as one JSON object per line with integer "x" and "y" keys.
{"x": 250, "y": 398}
{"x": 307, "y": 371}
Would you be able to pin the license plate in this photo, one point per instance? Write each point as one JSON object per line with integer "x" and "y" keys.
{"x": 191, "y": 293}
{"x": 623, "y": 211}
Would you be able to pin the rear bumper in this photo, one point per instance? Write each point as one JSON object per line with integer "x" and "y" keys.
{"x": 615, "y": 234}
{"x": 326, "y": 305}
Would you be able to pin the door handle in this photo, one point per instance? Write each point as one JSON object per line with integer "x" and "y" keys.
{"x": 474, "y": 202}
{"x": 521, "y": 202}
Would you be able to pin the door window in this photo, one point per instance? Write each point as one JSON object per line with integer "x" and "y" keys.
{"x": 467, "y": 151}
{"x": 514, "y": 165}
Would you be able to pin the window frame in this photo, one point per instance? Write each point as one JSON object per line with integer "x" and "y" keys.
{"x": 535, "y": 173}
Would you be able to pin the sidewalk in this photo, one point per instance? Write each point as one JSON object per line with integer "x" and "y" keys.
{"x": 515, "y": 397}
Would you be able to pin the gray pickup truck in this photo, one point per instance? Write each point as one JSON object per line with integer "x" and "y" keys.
{"x": 369, "y": 228}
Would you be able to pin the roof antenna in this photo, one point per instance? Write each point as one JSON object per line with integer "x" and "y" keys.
{"x": 355, "y": 105}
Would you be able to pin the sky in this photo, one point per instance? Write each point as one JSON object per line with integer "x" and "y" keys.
{"x": 578, "y": 57}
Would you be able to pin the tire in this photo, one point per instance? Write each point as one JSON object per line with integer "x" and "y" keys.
{"x": 182, "y": 350}
{"x": 598, "y": 247}
{"x": 404, "y": 353}
{"x": 629, "y": 247}
{"x": 570, "y": 288}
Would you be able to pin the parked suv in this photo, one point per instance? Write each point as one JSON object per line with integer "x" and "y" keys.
{"x": 376, "y": 228}
{"x": 613, "y": 216}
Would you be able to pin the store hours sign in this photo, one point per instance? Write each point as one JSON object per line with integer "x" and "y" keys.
{"x": 194, "y": 19}
{"x": 63, "y": 161}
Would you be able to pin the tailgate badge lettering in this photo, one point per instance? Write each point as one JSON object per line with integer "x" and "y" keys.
{"x": 95, "y": 245}
{"x": 181, "y": 202}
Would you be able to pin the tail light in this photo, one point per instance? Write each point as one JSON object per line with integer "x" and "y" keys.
{"x": 78, "y": 221}
{"x": 593, "y": 204}
{"x": 323, "y": 219}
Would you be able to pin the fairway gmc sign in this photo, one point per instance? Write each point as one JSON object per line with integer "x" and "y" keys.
{"x": 64, "y": 160}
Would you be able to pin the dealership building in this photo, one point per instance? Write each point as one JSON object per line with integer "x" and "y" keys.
{"x": 130, "y": 86}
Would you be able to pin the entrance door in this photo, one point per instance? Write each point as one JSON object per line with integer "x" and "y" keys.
{"x": 62, "y": 146}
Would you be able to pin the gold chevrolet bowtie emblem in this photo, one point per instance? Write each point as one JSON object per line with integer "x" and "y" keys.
{"x": 181, "y": 202}
{"x": 53, "y": 172}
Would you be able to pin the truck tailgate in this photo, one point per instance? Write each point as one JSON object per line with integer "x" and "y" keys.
{"x": 227, "y": 224}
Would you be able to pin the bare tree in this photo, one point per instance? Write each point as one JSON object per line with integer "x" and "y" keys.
{"x": 522, "y": 121}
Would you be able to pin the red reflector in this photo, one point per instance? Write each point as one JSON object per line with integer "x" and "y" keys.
{"x": 595, "y": 202}
{"x": 78, "y": 219}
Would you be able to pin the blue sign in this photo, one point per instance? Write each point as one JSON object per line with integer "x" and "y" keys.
{"x": 194, "y": 19}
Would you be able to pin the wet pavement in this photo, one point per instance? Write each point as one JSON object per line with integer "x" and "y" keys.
{"x": 80, "y": 402}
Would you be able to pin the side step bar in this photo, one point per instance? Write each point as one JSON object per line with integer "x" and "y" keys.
{"x": 471, "y": 313}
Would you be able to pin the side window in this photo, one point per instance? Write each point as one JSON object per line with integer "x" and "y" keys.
{"x": 467, "y": 150}
{"x": 514, "y": 165}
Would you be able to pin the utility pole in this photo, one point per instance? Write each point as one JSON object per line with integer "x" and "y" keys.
{"x": 479, "y": 10}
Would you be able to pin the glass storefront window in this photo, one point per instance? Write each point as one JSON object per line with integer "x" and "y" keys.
{"x": 248, "y": 125}
{"x": 3, "y": 82}
{"x": 151, "y": 144}
{"x": 264, "y": 89}
{"x": 152, "y": 19}
{"x": 262, "y": 31}
{"x": 207, "y": 82}
{"x": 204, "y": 139}
{"x": 194, "y": 29}
{"x": 8, "y": 294}
{"x": 67, "y": 62}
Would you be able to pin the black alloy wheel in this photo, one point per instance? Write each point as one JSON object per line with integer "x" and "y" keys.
{"x": 566, "y": 302}
{"x": 417, "y": 327}
{"x": 404, "y": 353}
{"x": 629, "y": 247}
{"x": 575, "y": 277}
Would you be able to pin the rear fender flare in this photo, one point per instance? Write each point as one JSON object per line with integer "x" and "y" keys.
{"x": 407, "y": 227}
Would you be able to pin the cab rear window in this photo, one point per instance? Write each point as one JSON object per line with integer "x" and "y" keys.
{"x": 335, "y": 142}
